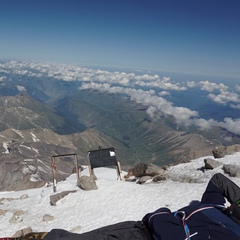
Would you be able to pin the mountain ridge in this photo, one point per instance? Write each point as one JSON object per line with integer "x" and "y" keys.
{"x": 34, "y": 130}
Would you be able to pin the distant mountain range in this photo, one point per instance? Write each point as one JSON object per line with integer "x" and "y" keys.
{"x": 41, "y": 117}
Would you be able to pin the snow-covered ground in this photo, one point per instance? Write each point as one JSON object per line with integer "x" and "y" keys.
{"x": 112, "y": 202}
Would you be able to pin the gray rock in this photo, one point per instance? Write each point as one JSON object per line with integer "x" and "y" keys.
{"x": 232, "y": 170}
{"x": 22, "y": 232}
{"x": 75, "y": 229}
{"x": 146, "y": 169}
{"x": 17, "y": 217}
{"x": 211, "y": 163}
{"x": 87, "y": 183}
{"x": 143, "y": 179}
{"x": 54, "y": 198}
{"x": 48, "y": 218}
{"x": 220, "y": 152}
{"x": 24, "y": 196}
{"x": 159, "y": 178}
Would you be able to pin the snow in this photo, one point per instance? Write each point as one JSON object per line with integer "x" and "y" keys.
{"x": 114, "y": 200}
{"x": 35, "y": 139}
{"x": 5, "y": 145}
{"x": 18, "y": 132}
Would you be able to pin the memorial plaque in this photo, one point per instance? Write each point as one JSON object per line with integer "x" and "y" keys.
{"x": 102, "y": 157}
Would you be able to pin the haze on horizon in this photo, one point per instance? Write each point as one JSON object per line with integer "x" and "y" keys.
{"x": 200, "y": 37}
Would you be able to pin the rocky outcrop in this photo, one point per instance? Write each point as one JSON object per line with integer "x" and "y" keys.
{"x": 143, "y": 172}
{"x": 220, "y": 152}
{"x": 28, "y": 165}
{"x": 145, "y": 169}
{"x": 14, "y": 177}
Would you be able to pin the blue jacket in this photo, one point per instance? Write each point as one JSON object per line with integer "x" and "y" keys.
{"x": 198, "y": 222}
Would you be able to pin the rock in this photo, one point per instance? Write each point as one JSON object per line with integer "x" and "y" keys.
{"x": 54, "y": 198}
{"x": 232, "y": 170}
{"x": 219, "y": 152}
{"x": 139, "y": 170}
{"x": 75, "y": 229}
{"x": 225, "y": 150}
{"x": 13, "y": 177}
{"x": 211, "y": 163}
{"x": 143, "y": 179}
{"x": 129, "y": 175}
{"x": 48, "y": 218}
{"x": 24, "y": 196}
{"x": 17, "y": 217}
{"x": 153, "y": 170}
{"x": 22, "y": 232}
{"x": 6, "y": 199}
{"x": 130, "y": 179}
{"x": 87, "y": 183}
{"x": 159, "y": 178}
{"x": 145, "y": 169}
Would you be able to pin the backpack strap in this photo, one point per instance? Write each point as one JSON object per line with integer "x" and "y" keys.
{"x": 198, "y": 210}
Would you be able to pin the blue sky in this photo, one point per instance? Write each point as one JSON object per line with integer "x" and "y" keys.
{"x": 190, "y": 36}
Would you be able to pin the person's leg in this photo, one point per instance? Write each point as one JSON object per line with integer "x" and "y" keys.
{"x": 219, "y": 188}
{"x": 128, "y": 230}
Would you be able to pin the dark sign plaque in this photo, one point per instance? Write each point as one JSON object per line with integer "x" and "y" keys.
{"x": 102, "y": 157}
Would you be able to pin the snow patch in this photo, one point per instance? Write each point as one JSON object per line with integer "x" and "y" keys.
{"x": 114, "y": 200}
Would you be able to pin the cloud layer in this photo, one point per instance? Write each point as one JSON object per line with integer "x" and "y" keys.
{"x": 150, "y": 90}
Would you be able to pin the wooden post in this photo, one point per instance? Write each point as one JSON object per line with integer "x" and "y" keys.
{"x": 78, "y": 172}
{"x": 54, "y": 168}
{"x": 54, "y": 175}
{"x": 119, "y": 170}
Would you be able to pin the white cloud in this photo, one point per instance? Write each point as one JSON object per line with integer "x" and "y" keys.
{"x": 158, "y": 105}
{"x": 237, "y": 88}
{"x": 232, "y": 125}
{"x": 191, "y": 84}
{"x": 164, "y": 93}
{"x": 2, "y": 78}
{"x": 224, "y": 97}
{"x": 152, "y": 112}
{"x": 202, "y": 123}
{"x": 162, "y": 84}
{"x": 237, "y": 106}
{"x": 148, "y": 98}
{"x": 210, "y": 86}
{"x": 147, "y": 77}
{"x": 76, "y": 73}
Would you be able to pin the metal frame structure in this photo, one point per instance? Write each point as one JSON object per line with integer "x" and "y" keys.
{"x": 54, "y": 167}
